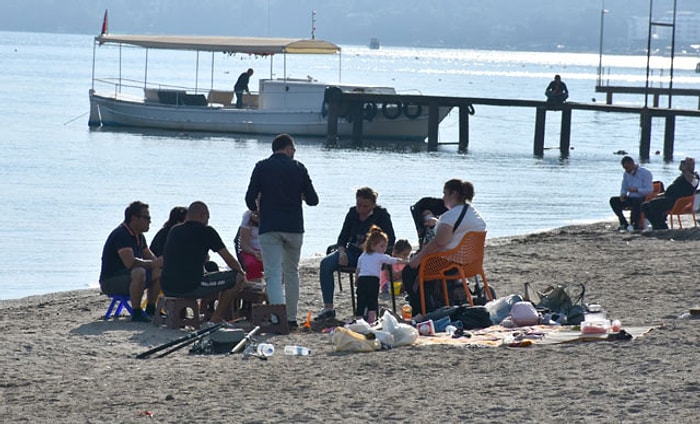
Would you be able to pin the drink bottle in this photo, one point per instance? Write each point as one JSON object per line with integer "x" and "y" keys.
{"x": 297, "y": 350}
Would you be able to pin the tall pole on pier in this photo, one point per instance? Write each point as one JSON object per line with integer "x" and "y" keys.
{"x": 600, "y": 47}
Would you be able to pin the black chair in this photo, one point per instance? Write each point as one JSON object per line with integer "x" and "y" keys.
{"x": 350, "y": 270}
{"x": 437, "y": 206}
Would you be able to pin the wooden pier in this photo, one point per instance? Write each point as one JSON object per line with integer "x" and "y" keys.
{"x": 655, "y": 92}
{"x": 353, "y": 103}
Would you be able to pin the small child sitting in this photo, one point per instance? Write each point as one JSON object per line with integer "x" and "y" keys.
{"x": 402, "y": 249}
{"x": 369, "y": 269}
{"x": 429, "y": 221}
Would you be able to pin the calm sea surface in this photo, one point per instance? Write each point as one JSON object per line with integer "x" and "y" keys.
{"x": 64, "y": 187}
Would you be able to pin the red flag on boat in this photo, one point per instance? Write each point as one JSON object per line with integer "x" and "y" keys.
{"x": 105, "y": 30}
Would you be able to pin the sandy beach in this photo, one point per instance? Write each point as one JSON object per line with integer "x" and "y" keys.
{"x": 61, "y": 363}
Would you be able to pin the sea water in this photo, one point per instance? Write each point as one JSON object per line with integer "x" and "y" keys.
{"x": 64, "y": 187}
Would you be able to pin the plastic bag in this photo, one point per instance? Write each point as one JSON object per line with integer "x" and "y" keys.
{"x": 404, "y": 334}
{"x": 346, "y": 340}
{"x": 499, "y": 308}
{"x": 524, "y": 314}
{"x": 359, "y": 326}
{"x": 386, "y": 338}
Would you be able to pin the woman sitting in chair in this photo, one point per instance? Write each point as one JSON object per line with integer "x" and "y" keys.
{"x": 359, "y": 219}
{"x": 460, "y": 218}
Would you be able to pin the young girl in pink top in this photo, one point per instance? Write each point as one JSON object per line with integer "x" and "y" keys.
{"x": 402, "y": 249}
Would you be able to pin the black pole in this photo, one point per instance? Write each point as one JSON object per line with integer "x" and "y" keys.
{"x": 565, "y": 135}
{"x": 645, "y": 142}
{"x": 540, "y": 117}
{"x": 184, "y": 339}
{"x": 356, "y": 112}
{"x": 433, "y": 124}
{"x": 669, "y": 135}
{"x": 464, "y": 128}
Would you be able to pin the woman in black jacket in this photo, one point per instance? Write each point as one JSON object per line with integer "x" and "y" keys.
{"x": 358, "y": 221}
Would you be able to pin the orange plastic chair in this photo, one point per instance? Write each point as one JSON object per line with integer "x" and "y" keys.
{"x": 467, "y": 259}
{"x": 683, "y": 206}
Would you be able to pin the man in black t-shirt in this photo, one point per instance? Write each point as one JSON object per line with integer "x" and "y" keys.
{"x": 186, "y": 251}
{"x": 128, "y": 265}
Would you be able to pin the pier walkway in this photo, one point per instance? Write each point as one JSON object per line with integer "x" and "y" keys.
{"x": 354, "y": 102}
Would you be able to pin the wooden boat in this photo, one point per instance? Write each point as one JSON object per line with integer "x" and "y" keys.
{"x": 294, "y": 106}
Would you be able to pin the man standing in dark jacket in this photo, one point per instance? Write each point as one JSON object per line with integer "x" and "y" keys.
{"x": 278, "y": 185}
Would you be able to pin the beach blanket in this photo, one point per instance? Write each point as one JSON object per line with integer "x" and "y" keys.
{"x": 497, "y": 335}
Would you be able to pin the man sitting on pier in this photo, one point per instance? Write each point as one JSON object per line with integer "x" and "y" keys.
{"x": 556, "y": 91}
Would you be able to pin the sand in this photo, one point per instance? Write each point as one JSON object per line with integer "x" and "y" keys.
{"x": 61, "y": 363}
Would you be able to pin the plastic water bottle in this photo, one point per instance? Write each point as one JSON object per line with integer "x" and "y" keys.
{"x": 297, "y": 350}
{"x": 266, "y": 349}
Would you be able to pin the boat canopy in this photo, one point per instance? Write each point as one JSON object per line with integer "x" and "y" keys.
{"x": 249, "y": 45}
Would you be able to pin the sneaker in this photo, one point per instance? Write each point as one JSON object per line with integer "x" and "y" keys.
{"x": 630, "y": 228}
{"x": 140, "y": 317}
{"x": 622, "y": 228}
{"x": 325, "y": 314}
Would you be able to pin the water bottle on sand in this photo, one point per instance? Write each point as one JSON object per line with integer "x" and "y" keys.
{"x": 297, "y": 350}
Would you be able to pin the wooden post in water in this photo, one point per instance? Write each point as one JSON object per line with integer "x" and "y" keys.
{"x": 565, "y": 135}
{"x": 332, "y": 133}
{"x": 463, "y": 128}
{"x": 357, "y": 118}
{"x": 540, "y": 117}
{"x": 645, "y": 142}
{"x": 433, "y": 124}
{"x": 669, "y": 135}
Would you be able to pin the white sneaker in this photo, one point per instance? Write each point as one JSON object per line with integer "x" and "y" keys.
{"x": 630, "y": 228}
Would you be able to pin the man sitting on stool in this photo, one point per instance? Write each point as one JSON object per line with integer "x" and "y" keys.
{"x": 185, "y": 254}
{"x": 636, "y": 185}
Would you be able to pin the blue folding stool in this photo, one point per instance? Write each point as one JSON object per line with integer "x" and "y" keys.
{"x": 121, "y": 301}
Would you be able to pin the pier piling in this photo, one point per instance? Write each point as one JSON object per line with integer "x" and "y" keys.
{"x": 540, "y": 117}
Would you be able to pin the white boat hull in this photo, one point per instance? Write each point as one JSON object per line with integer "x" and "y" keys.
{"x": 112, "y": 112}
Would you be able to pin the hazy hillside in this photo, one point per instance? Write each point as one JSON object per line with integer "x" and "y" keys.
{"x": 503, "y": 24}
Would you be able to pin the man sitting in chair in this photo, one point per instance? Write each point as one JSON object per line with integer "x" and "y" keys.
{"x": 657, "y": 209}
{"x": 636, "y": 185}
{"x": 186, "y": 252}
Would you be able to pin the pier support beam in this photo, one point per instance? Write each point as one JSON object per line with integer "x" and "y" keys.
{"x": 645, "y": 141}
{"x": 669, "y": 135}
{"x": 332, "y": 133}
{"x": 540, "y": 117}
{"x": 463, "y": 129}
{"x": 357, "y": 118}
{"x": 565, "y": 135}
{"x": 433, "y": 124}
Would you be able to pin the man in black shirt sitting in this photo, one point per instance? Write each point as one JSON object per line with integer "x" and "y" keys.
{"x": 186, "y": 251}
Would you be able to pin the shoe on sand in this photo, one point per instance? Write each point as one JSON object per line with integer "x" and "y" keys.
{"x": 325, "y": 314}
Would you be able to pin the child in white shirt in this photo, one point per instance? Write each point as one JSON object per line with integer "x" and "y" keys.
{"x": 369, "y": 270}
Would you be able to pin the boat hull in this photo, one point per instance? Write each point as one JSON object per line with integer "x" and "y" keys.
{"x": 109, "y": 111}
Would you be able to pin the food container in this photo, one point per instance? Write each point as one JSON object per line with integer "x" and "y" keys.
{"x": 595, "y": 327}
{"x": 426, "y": 328}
